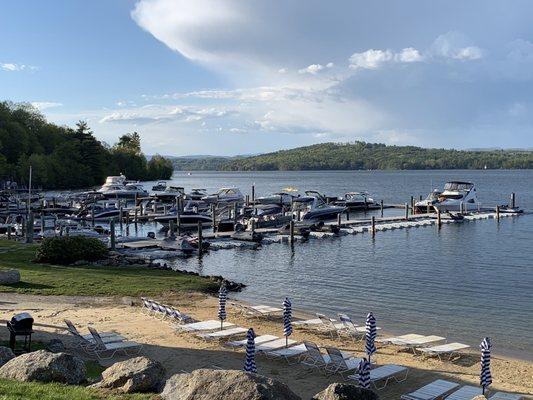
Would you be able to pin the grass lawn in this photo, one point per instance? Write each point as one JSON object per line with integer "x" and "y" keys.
{"x": 15, "y": 390}
{"x": 47, "y": 279}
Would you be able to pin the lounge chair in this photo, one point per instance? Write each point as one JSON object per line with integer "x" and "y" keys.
{"x": 101, "y": 347}
{"x": 274, "y": 345}
{"x": 329, "y": 326}
{"x": 258, "y": 340}
{"x": 209, "y": 325}
{"x": 465, "y": 393}
{"x": 223, "y": 334}
{"x": 506, "y": 396}
{"x": 350, "y": 328}
{"x": 431, "y": 391}
{"x": 409, "y": 336}
{"x": 260, "y": 310}
{"x": 288, "y": 353}
{"x": 449, "y": 348}
{"x": 87, "y": 341}
{"x": 316, "y": 359}
{"x": 420, "y": 342}
{"x": 385, "y": 373}
{"x": 338, "y": 364}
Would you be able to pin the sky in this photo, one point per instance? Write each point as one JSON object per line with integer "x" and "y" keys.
{"x": 228, "y": 77}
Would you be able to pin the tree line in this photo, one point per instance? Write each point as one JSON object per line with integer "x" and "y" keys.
{"x": 367, "y": 156}
{"x": 67, "y": 158}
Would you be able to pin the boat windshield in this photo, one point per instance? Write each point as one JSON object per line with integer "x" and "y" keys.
{"x": 458, "y": 186}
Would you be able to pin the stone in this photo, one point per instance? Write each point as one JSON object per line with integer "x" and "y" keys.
{"x": 344, "y": 391}
{"x": 55, "y": 346}
{"x": 480, "y": 397}
{"x": 6, "y": 354}
{"x": 9, "y": 277}
{"x": 208, "y": 384}
{"x": 139, "y": 374}
{"x": 43, "y": 366}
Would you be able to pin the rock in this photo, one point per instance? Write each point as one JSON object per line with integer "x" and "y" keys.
{"x": 480, "y": 397}
{"x": 207, "y": 384}
{"x": 6, "y": 354}
{"x": 139, "y": 374}
{"x": 9, "y": 277}
{"x": 43, "y": 366}
{"x": 344, "y": 391}
{"x": 128, "y": 301}
{"x": 55, "y": 346}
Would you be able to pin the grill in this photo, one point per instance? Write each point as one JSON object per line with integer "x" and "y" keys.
{"x": 20, "y": 325}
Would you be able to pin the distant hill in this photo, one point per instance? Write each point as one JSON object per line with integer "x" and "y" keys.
{"x": 363, "y": 156}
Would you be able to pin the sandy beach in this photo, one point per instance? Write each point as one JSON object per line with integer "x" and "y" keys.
{"x": 184, "y": 352}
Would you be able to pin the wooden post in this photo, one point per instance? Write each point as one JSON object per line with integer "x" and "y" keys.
{"x": 439, "y": 220}
{"x": 127, "y": 224}
{"x": 171, "y": 228}
{"x": 412, "y": 205}
{"x": 247, "y": 200}
{"x": 253, "y": 226}
{"x": 291, "y": 231}
{"x": 120, "y": 218}
{"x": 513, "y": 200}
{"x": 347, "y": 214}
{"x": 235, "y": 214}
{"x": 200, "y": 238}
{"x": 299, "y": 215}
{"x": 339, "y": 220}
{"x": 253, "y": 193}
{"x": 92, "y": 214}
{"x": 406, "y": 206}
{"x": 373, "y": 224}
{"x": 29, "y": 228}
{"x": 136, "y": 215}
{"x": 214, "y": 218}
{"x": 178, "y": 221}
{"x": 112, "y": 229}
{"x": 381, "y": 207}
{"x": 141, "y": 209}
{"x": 497, "y": 213}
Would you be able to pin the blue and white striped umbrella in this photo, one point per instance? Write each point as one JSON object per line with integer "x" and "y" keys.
{"x": 485, "y": 378}
{"x": 364, "y": 373}
{"x": 370, "y": 335}
{"x": 287, "y": 319}
{"x": 222, "y": 296}
{"x": 249, "y": 362}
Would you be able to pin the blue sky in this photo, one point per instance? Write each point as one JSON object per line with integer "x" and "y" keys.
{"x": 232, "y": 77}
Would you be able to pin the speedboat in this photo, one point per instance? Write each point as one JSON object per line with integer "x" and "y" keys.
{"x": 196, "y": 194}
{"x": 358, "y": 200}
{"x": 457, "y": 196}
{"x": 225, "y": 195}
{"x": 170, "y": 193}
{"x": 102, "y": 211}
{"x": 159, "y": 186}
{"x": 314, "y": 207}
{"x": 189, "y": 217}
{"x": 280, "y": 198}
{"x": 423, "y": 206}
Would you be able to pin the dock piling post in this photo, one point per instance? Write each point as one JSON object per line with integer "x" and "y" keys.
{"x": 92, "y": 215}
{"x": 120, "y": 218}
{"x": 29, "y": 228}
{"x": 497, "y": 213}
{"x": 178, "y": 222}
{"x": 347, "y": 214}
{"x": 412, "y": 205}
{"x": 373, "y": 225}
{"x": 235, "y": 214}
{"x": 291, "y": 231}
{"x": 439, "y": 220}
{"x": 381, "y": 207}
{"x": 127, "y": 224}
{"x": 253, "y": 226}
{"x": 513, "y": 200}
{"x": 247, "y": 200}
{"x": 213, "y": 218}
{"x": 253, "y": 193}
{"x": 200, "y": 239}
{"x": 170, "y": 232}
{"x": 339, "y": 217}
{"x": 406, "y": 206}
{"x": 136, "y": 215}
{"x": 112, "y": 229}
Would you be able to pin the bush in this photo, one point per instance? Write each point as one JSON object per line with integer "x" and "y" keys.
{"x": 69, "y": 249}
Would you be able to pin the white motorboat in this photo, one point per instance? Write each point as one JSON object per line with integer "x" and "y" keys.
{"x": 196, "y": 194}
{"x": 358, "y": 200}
{"x": 118, "y": 187}
{"x": 225, "y": 195}
{"x": 426, "y": 205}
{"x": 170, "y": 193}
{"x": 314, "y": 207}
{"x": 281, "y": 198}
{"x": 457, "y": 196}
{"x": 159, "y": 186}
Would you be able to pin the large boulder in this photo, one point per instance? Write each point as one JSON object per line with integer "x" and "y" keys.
{"x": 208, "y": 384}
{"x": 139, "y": 374}
{"x": 6, "y": 354}
{"x": 44, "y": 366}
{"x": 10, "y": 276}
{"x": 344, "y": 391}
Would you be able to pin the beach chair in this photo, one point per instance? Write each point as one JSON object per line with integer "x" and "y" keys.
{"x": 288, "y": 353}
{"x": 449, "y": 348}
{"x": 384, "y": 374}
{"x": 179, "y": 317}
{"x": 409, "y": 336}
{"x": 113, "y": 348}
{"x": 308, "y": 322}
{"x": 412, "y": 344}
{"x": 209, "y": 325}
{"x": 465, "y": 393}
{"x": 223, "y": 334}
{"x": 316, "y": 359}
{"x": 274, "y": 345}
{"x": 338, "y": 364}
{"x": 431, "y": 391}
{"x": 86, "y": 342}
{"x": 350, "y": 328}
{"x": 258, "y": 340}
{"x": 506, "y": 396}
{"x": 329, "y": 326}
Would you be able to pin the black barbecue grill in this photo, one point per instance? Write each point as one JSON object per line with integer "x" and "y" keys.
{"x": 20, "y": 325}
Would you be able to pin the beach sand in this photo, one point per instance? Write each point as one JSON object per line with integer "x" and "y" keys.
{"x": 183, "y": 352}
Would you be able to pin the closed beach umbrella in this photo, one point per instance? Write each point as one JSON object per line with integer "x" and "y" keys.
{"x": 364, "y": 373}
{"x": 222, "y": 296}
{"x": 249, "y": 363}
{"x": 370, "y": 335}
{"x": 287, "y": 319}
{"x": 485, "y": 379}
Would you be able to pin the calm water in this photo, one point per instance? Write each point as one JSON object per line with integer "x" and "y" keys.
{"x": 464, "y": 282}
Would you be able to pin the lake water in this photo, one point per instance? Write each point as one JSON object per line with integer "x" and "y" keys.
{"x": 464, "y": 281}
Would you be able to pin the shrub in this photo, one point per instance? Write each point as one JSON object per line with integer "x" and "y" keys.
{"x": 69, "y": 249}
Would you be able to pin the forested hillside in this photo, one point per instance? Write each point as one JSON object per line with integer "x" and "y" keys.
{"x": 67, "y": 158}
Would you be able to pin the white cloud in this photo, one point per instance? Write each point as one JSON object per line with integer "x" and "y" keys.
{"x": 408, "y": 55}
{"x": 370, "y": 59}
{"x": 314, "y": 68}
{"x": 17, "y": 67}
{"x": 43, "y": 105}
{"x": 468, "y": 53}
{"x": 456, "y": 45}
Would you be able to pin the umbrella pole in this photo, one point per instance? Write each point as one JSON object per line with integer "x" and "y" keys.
{"x": 286, "y": 341}
{"x": 221, "y": 322}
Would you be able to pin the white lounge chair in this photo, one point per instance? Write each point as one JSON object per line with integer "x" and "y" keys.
{"x": 350, "y": 328}
{"x": 223, "y": 334}
{"x": 209, "y": 325}
{"x": 288, "y": 353}
{"x": 506, "y": 396}
{"x": 431, "y": 391}
{"x": 316, "y": 359}
{"x": 465, "y": 393}
{"x": 274, "y": 345}
{"x": 101, "y": 347}
{"x": 420, "y": 342}
{"x": 449, "y": 348}
{"x": 329, "y": 326}
{"x": 86, "y": 342}
{"x": 338, "y": 364}
{"x": 409, "y": 336}
{"x": 385, "y": 373}
{"x": 258, "y": 340}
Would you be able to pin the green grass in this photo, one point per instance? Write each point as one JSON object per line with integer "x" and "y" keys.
{"x": 15, "y": 390}
{"x": 44, "y": 279}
